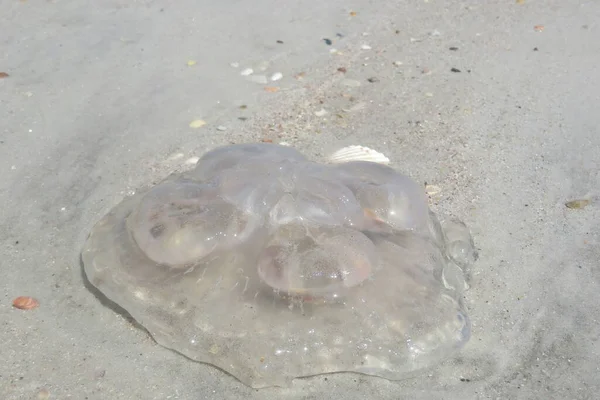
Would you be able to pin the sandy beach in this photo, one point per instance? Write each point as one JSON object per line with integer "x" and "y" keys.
{"x": 493, "y": 105}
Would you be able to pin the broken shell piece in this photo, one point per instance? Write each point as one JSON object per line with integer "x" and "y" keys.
{"x": 192, "y": 160}
{"x": 247, "y": 72}
{"x": 432, "y": 189}
{"x": 577, "y": 204}
{"x": 358, "y": 153}
{"x": 25, "y": 303}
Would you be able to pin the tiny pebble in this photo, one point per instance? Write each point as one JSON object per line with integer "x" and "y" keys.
{"x": 321, "y": 113}
{"x": 276, "y": 76}
{"x": 453, "y": 48}
{"x": 342, "y": 70}
{"x": 3, "y": 75}
{"x": 280, "y": 41}
{"x": 538, "y": 28}
{"x": 365, "y": 47}
{"x": 247, "y": 71}
{"x": 455, "y": 70}
{"x": 429, "y": 94}
{"x": 221, "y": 128}
{"x": 234, "y": 64}
{"x": 397, "y": 63}
{"x": 328, "y": 42}
{"x": 373, "y": 79}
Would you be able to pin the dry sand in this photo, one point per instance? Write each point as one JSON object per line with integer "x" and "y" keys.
{"x": 98, "y": 101}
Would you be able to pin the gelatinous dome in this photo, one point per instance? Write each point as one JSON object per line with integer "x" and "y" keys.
{"x": 273, "y": 267}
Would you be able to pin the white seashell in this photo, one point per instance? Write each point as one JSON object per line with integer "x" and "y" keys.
{"x": 358, "y": 153}
{"x": 247, "y": 72}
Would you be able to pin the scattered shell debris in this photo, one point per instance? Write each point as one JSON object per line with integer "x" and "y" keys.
{"x": 25, "y": 303}
{"x": 577, "y": 204}
{"x": 357, "y": 153}
{"x": 197, "y": 123}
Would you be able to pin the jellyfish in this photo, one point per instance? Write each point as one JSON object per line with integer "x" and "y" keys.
{"x": 274, "y": 267}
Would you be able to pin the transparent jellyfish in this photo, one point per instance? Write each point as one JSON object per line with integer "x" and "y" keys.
{"x": 274, "y": 267}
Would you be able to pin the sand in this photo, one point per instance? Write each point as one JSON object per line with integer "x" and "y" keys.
{"x": 495, "y": 104}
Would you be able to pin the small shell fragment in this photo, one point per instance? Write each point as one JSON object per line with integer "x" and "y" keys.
{"x": 276, "y": 76}
{"x": 247, "y": 71}
{"x": 357, "y": 153}
{"x": 577, "y": 204}
{"x": 197, "y": 123}
{"x": 25, "y": 303}
{"x": 432, "y": 189}
{"x": 192, "y": 160}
